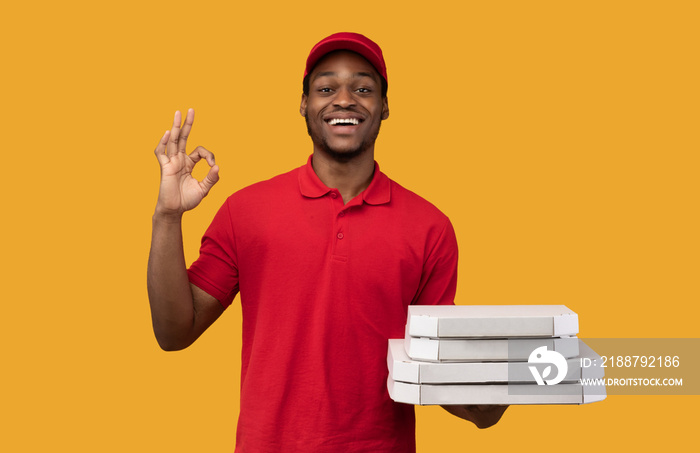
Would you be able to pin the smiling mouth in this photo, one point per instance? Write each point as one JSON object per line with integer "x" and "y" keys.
{"x": 344, "y": 121}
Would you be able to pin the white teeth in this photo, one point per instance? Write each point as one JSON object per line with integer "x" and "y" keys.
{"x": 335, "y": 121}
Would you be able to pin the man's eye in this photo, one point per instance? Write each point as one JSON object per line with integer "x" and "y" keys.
{"x": 364, "y": 90}
{"x": 324, "y": 90}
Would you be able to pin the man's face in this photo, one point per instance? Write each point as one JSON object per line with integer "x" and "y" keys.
{"x": 344, "y": 107}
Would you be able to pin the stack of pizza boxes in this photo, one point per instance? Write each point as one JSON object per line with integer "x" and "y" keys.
{"x": 493, "y": 354}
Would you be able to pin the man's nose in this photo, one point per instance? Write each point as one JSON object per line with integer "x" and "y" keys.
{"x": 344, "y": 98}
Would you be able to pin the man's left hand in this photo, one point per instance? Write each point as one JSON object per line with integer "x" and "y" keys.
{"x": 483, "y": 416}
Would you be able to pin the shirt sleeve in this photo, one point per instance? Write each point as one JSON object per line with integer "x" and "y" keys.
{"x": 216, "y": 270}
{"x": 438, "y": 283}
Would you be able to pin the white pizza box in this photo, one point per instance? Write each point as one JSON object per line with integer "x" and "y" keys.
{"x": 448, "y": 394}
{"x": 402, "y": 368}
{"x": 484, "y": 349}
{"x": 500, "y": 321}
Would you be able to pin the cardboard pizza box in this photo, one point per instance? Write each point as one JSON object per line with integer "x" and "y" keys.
{"x": 485, "y": 349}
{"x": 404, "y": 369}
{"x": 500, "y": 321}
{"x": 448, "y": 394}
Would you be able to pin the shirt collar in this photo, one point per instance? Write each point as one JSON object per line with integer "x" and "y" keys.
{"x": 378, "y": 191}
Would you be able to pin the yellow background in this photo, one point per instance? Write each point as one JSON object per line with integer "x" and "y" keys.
{"x": 561, "y": 138}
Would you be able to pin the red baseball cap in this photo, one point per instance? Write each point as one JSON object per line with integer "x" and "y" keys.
{"x": 348, "y": 41}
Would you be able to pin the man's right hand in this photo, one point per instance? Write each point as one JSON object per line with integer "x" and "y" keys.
{"x": 179, "y": 190}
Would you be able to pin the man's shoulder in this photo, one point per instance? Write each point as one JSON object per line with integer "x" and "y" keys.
{"x": 276, "y": 186}
{"x": 425, "y": 224}
{"x": 415, "y": 204}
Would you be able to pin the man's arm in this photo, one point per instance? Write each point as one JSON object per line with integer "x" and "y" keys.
{"x": 180, "y": 311}
{"x": 439, "y": 288}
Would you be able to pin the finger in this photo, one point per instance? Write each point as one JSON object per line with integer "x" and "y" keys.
{"x": 185, "y": 132}
{"x": 160, "y": 148}
{"x": 495, "y": 408}
{"x": 202, "y": 153}
{"x": 486, "y": 407}
{"x": 212, "y": 177}
{"x": 174, "y": 134}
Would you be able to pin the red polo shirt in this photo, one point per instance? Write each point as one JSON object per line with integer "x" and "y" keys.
{"x": 323, "y": 287}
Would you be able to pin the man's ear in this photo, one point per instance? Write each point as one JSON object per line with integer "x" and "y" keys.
{"x": 302, "y": 106}
{"x": 385, "y": 108}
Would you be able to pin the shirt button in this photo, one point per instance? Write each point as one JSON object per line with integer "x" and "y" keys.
{"x": 334, "y": 195}
{"x": 340, "y": 236}
{"x": 341, "y": 213}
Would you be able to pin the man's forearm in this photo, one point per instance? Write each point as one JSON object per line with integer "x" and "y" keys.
{"x": 169, "y": 290}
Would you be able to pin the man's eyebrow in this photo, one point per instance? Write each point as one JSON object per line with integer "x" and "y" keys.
{"x": 324, "y": 74}
{"x": 331, "y": 74}
{"x": 364, "y": 74}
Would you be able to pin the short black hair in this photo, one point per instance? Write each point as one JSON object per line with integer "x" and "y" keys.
{"x": 305, "y": 85}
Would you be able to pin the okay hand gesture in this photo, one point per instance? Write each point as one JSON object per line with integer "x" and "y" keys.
{"x": 179, "y": 190}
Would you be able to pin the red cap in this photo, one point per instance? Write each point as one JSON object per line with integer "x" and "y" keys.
{"x": 348, "y": 41}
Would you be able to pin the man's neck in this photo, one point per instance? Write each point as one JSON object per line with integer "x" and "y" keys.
{"x": 350, "y": 178}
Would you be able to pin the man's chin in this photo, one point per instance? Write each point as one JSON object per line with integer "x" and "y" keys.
{"x": 344, "y": 155}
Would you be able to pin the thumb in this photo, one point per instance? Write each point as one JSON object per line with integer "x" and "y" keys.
{"x": 210, "y": 179}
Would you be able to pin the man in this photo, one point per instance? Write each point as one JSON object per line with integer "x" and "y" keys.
{"x": 326, "y": 258}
